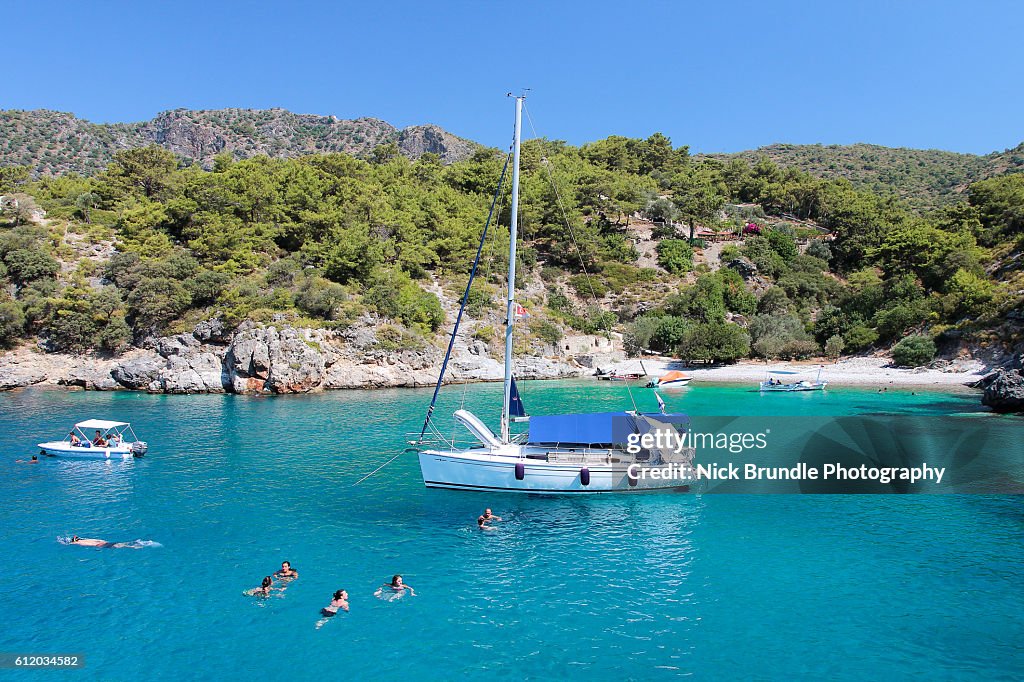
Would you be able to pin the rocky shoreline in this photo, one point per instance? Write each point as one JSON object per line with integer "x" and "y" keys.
{"x": 266, "y": 359}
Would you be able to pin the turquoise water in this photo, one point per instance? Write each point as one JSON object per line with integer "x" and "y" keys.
{"x": 612, "y": 587}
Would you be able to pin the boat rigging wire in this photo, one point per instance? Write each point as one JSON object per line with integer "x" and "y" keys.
{"x": 561, "y": 207}
{"x": 465, "y": 296}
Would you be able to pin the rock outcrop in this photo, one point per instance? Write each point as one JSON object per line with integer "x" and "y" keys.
{"x": 1004, "y": 390}
{"x": 275, "y": 359}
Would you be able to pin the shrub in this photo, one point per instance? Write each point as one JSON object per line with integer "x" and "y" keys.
{"x": 729, "y": 252}
{"x": 638, "y": 335}
{"x": 206, "y": 285}
{"x": 481, "y": 299}
{"x": 395, "y": 295}
{"x": 798, "y": 349}
{"x": 588, "y": 286}
{"x": 913, "y": 351}
{"x": 12, "y": 323}
{"x": 860, "y": 337}
{"x": 28, "y": 265}
{"x": 548, "y": 332}
{"x": 82, "y": 318}
{"x": 593, "y": 321}
{"x": 819, "y": 248}
{"x": 320, "y": 297}
{"x": 768, "y": 347}
{"x": 761, "y": 254}
{"x": 675, "y": 255}
{"x": 773, "y": 301}
{"x": 155, "y": 302}
{"x": 893, "y": 322}
{"x": 834, "y": 346}
{"x": 667, "y": 333}
{"x": 715, "y": 342}
{"x": 783, "y": 244}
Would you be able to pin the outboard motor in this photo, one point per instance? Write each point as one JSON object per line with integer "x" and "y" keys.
{"x": 139, "y": 448}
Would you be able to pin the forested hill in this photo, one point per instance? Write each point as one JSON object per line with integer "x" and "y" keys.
{"x": 923, "y": 178}
{"x": 56, "y": 143}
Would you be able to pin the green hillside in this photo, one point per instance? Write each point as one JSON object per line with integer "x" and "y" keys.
{"x": 921, "y": 178}
{"x": 152, "y": 245}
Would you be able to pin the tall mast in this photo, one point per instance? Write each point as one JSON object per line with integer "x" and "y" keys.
{"x": 510, "y": 315}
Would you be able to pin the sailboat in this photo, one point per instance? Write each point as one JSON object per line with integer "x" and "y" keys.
{"x": 558, "y": 453}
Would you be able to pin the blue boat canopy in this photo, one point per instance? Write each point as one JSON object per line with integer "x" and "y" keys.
{"x": 601, "y": 428}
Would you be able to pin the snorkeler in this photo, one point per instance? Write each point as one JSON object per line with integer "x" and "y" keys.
{"x": 263, "y": 590}
{"x": 93, "y": 542}
{"x": 394, "y": 589}
{"x": 286, "y": 571}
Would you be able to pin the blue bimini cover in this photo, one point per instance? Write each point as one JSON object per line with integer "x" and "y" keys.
{"x": 587, "y": 429}
{"x": 601, "y": 428}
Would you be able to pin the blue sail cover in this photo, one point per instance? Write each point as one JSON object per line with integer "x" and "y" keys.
{"x": 515, "y": 403}
{"x": 600, "y": 428}
{"x": 586, "y": 429}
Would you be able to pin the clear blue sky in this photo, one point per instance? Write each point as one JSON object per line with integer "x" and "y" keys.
{"x": 720, "y": 76}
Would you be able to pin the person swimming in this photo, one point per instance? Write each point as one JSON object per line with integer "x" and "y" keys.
{"x": 263, "y": 590}
{"x": 340, "y": 601}
{"x": 286, "y": 571}
{"x": 34, "y": 460}
{"x": 393, "y": 590}
{"x": 484, "y": 518}
{"x": 103, "y": 544}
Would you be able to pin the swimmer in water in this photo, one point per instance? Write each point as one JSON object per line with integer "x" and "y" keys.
{"x": 396, "y": 587}
{"x": 486, "y": 517}
{"x": 263, "y": 590}
{"x": 340, "y": 601}
{"x": 286, "y": 571}
{"x": 34, "y": 460}
{"x": 93, "y": 542}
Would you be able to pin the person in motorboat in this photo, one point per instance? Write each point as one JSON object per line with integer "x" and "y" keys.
{"x": 114, "y": 440}
{"x": 286, "y": 571}
{"x": 396, "y": 586}
{"x": 75, "y": 440}
{"x": 263, "y": 590}
{"x": 98, "y": 440}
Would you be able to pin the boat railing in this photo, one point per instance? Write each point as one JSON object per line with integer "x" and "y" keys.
{"x": 605, "y": 456}
{"x": 437, "y": 442}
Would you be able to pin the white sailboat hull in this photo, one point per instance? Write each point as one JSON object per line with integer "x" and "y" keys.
{"x": 480, "y": 469}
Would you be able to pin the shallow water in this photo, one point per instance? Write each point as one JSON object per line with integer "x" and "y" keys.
{"x": 632, "y": 587}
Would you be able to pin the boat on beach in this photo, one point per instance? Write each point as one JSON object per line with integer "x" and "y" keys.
{"x": 555, "y": 454}
{"x": 116, "y": 440}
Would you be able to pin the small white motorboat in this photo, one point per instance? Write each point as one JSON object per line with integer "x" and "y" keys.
{"x": 110, "y": 440}
{"x": 773, "y": 385}
{"x": 673, "y": 379}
